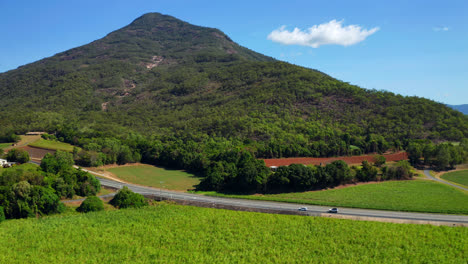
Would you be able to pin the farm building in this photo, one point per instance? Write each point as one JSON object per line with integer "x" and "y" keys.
{"x": 5, "y": 163}
{"x": 34, "y": 133}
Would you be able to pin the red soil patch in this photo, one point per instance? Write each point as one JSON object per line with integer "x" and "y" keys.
{"x": 348, "y": 159}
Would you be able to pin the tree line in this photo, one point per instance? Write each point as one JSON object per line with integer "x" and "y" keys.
{"x": 248, "y": 175}
{"x": 440, "y": 156}
{"x": 234, "y": 165}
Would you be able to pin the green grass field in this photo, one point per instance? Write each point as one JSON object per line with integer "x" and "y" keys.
{"x": 153, "y": 176}
{"x": 53, "y": 145}
{"x": 5, "y": 145}
{"x": 415, "y": 196}
{"x": 460, "y": 177}
{"x": 184, "y": 234}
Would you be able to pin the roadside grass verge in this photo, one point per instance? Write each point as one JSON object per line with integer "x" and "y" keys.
{"x": 153, "y": 176}
{"x": 185, "y": 234}
{"x": 52, "y": 145}
{"x": 413, "y": 196}
{"x": 460, "y": 177}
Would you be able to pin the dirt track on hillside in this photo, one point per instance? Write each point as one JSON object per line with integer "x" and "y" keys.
{"x": 348, "y": 159}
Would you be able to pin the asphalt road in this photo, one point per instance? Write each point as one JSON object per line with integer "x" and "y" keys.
{"x": 428, "y": 174}
{"x": 286, "y": 207}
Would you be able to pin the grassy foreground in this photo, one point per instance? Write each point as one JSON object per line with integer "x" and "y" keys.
{"x": 460, "y": 177}
{"x": 415, "y": 196}
{"x": 182, "y": 234}
{"x": 51, "y": 144}
{"x": 153, "y": 176}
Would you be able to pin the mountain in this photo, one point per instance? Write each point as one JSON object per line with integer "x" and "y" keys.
{"x": 161, "y": 77}
{"x": 462, "y": 108}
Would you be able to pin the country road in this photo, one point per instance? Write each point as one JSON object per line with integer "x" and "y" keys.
{"x": 428, "y": 174}
{"x": 351, "y": 213}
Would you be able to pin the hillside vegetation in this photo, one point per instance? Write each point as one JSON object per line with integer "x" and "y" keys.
{"x": 161, "y": 75}
{"x": 165, "y": 92}
{"x": 181, "y": 234}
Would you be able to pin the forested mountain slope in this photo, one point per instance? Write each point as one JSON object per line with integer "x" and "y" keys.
{"x": 160, "y": 76}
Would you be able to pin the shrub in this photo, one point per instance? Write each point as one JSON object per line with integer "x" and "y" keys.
{"x": 400, "y": 171}
{"x": 126, "y": 198}
{"x": 91, "y": 204}
{"x": 379, "y": 160}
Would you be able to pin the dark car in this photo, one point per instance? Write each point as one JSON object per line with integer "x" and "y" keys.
{"x": 333, "y": 210}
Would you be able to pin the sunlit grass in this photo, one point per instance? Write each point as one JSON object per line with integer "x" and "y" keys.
{"x": 52, "y": 145}
{"x": 156, "y": 177}
{"x": 415, "y": 196}
{"x": 460, "y": 177}
{"x": 183, "y": 234}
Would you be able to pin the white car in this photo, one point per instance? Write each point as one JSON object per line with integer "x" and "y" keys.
{"x": 303, "y": 209}
{"x": 333, "y": 210}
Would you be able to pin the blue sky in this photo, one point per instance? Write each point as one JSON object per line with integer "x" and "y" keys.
{"x": 417, "y": 48}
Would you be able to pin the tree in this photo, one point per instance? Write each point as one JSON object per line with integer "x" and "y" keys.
{"x": 279, "y": 180}
{"x": 367, "y": 172}
{"x": 339, "y": 171}
{"x": 59, "y": 161}
{"x": 2, "y": 214}
{"x": 214, "y": 179}
{"x": 125, "y": 198}
{"x": 443, "y": 157}
{"x": 379, "y": 160}
{"x": 86, "y": 184}
{"x": 18, "y": 155}
{"x": 400, "y": 171}
{"x": 45, "y": 201}
{"x": 414, "y": 153}
{"x": 428, "y": 153}
{"x": 91, "y": 204}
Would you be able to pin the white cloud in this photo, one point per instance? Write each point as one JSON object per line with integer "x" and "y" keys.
{"x": 437, "y": 29}
{"x": 329, "y": 33}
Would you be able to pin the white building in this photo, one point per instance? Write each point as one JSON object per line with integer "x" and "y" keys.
{"x": 4, "y": 162}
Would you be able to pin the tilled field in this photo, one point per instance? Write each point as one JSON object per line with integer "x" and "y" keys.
{"x": 37, "y": 153}
{"x": 348, "y": 159}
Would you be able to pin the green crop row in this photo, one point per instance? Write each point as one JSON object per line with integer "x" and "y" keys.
{"x": 182, "y": 234}
{"x": 415, "y": 196}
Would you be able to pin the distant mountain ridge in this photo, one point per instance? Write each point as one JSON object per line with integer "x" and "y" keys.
{"x": 161, "y": 76}
{"x": 462, "y": 108}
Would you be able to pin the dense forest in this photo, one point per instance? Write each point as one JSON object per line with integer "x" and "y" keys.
{"x": 163, "y": 91}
